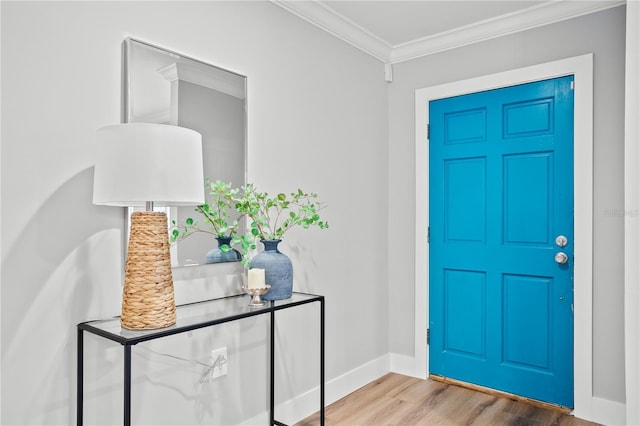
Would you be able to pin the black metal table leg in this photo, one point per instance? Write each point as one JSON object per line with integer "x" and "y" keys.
{"x": 322, "y": 361}
{"x": 80, "y": 378}
{"x": 127, "y": 385}
{"x": 272, "y": 370}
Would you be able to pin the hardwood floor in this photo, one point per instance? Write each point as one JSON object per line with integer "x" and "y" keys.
{"x": 400, "y": 400}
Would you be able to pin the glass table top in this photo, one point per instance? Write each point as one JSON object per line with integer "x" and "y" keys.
{"x": 194, "y": 316}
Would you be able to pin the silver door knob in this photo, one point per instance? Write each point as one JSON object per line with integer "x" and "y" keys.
{"x": 561, "y": 241}
{"x": 561, "y": 257}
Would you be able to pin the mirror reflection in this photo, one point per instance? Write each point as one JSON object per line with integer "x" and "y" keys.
{"x": 165, "y": 87}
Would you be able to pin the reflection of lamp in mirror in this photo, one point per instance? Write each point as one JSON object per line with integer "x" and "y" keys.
{"x": 142, "y": 165}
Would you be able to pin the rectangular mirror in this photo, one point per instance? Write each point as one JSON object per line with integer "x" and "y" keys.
{"x": 165, "y": 87}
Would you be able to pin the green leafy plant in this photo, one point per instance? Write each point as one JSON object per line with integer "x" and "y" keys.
{"x": 272, "y": 216}
{"x": 219, "y": 216}
{"x": 246, "y": 242}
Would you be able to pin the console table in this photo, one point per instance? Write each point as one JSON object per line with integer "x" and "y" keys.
{"x": 192, "y": 317}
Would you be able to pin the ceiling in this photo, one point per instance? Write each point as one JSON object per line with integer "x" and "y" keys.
{"x": 399, "y": 30}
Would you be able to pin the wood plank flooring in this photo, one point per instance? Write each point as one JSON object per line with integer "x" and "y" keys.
{"x": 395, "y": 399}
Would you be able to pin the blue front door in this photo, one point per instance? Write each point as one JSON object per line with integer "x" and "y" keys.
{"x": 501, "y": 222}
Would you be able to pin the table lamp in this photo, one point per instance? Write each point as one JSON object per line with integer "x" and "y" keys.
{"x": 140, "y": 164}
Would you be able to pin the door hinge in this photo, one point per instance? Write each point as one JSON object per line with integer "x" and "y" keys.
{"x": 428, "y": 337}
{"x": 428, "y": 131}
{"x": 428, "y": 234}
{"x": 573, "y": 85}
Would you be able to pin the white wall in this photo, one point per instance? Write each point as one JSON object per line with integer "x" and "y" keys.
{"x": 317, "y": 120}
{"x": 632, "y": 218}
{"x": 602, "y": 34}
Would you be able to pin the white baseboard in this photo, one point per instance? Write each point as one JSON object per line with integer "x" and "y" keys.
{"x": 608, "y": 412}
{"x": 407, "y": 365}
{"x": 302, "y": 406}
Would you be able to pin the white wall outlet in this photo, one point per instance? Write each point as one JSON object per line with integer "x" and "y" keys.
{"x": 218, "y": 364}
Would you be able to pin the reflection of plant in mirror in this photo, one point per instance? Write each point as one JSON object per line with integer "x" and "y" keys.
{"x": 271, "y": 217}
{"x": 216, "y": 212}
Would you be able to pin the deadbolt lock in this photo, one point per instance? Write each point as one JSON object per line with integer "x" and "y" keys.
{"x": 561, "y": 241}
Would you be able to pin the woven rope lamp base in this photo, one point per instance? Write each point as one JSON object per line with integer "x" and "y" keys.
{"x": 147, "y": 299}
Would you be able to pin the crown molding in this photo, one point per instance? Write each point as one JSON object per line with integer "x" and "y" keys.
{"x": 159, "y": 117}
{"x": 213, "y": 78}
{"x": 318, "y": 14}
{"x": 533, "y": 17}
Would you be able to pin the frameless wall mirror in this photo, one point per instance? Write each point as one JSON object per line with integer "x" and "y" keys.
{"x": 165, "y": 87}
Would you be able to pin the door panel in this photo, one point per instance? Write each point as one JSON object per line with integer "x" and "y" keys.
{"x": 465, "y": 315}
{"x": 527, "y": 201}
{"x": 527, "y": 332}
{"x": 465, "y": 211}
{"x": 501, "y": 190}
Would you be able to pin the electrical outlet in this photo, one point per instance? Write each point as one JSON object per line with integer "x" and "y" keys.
{"x": 218, "y": 365}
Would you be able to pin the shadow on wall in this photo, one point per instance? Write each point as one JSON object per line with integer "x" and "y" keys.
{"x": 64, "y": 268}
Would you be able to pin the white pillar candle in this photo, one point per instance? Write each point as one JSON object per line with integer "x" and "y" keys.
{"x": 256, "y": 278}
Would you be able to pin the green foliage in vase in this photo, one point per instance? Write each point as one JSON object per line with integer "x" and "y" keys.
{"x": 272, "y": 216}
{"x": 217, "y": 215}
{"x": 246, "y": 242}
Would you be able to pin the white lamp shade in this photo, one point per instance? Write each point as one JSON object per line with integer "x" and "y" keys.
{"x": 140, "y": 162}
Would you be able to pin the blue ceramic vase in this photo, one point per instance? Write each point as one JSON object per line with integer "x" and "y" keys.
{"x": 218, "y": 256}
{"x": 278, "y": 270}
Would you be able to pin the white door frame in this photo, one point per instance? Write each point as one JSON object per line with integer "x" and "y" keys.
{"x": 581, "y": 67}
